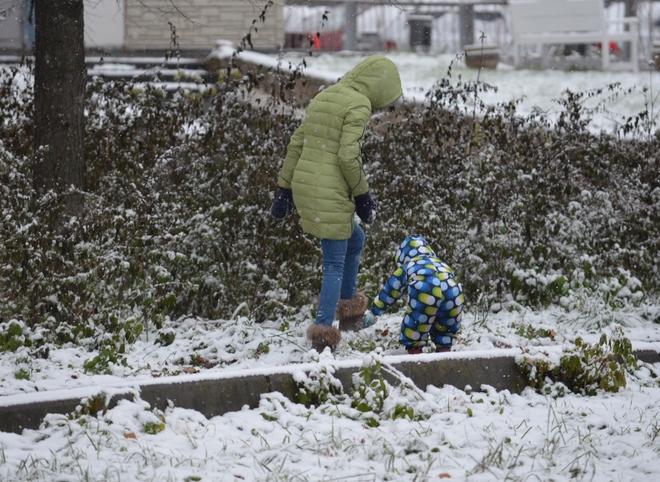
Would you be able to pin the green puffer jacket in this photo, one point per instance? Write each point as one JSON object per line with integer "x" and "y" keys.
{"x": 323, "y": 165}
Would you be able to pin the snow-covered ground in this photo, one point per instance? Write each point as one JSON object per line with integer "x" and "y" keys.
{"x": 623, "y": 94}
{"x": 450, "y": 432}
{"x": 419, "y": 433}
{"x": 538, "y": 89}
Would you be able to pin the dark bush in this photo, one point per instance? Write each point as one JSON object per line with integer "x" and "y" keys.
{"x": 179, "y": 190}
{"x": 522, "y": 209}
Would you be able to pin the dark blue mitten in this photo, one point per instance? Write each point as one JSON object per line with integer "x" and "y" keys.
{"x": 366, "y": 208}
{"x": 283, "y": 204}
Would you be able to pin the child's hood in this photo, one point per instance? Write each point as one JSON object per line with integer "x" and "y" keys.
{"x": 410, "y": 248}
{"x": 377, "y": 78}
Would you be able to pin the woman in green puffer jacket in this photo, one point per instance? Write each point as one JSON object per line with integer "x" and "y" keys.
{"x": 323, "y": 177}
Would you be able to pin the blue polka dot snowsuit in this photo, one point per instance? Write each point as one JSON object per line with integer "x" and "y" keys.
{"x": 435, "y": 298}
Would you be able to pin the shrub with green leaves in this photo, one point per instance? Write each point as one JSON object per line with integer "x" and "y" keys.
{"x": 318, "y": 387}
{"x": 11, "y": 336}
{"x": 370, "y": 390}
{"x": 371, "y": 399}
{"x": 583, "y": 368}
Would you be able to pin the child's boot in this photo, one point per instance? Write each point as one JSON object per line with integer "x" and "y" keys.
{"x": 322, "y": 336}
{"x": 351, "y": 313}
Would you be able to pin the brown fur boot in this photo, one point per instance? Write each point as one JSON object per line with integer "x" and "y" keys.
{"x": 322, "y": 336}
{"x": 350, "y": 313}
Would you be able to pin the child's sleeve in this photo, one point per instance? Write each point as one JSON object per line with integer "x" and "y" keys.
{"x": 294, "y": 150}
{"x": 350, "y": 147}
{"x": 395, "y": 287}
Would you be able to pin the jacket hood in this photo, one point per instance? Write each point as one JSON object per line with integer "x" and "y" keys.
{"x": 410, "y": 248}
{"x": 377, "y": 78}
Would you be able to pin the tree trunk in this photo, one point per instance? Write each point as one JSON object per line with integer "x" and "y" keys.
{"x": 59, "y": 97}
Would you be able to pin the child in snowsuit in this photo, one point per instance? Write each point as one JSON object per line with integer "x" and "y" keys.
{"x": 323, "y": 178}
{"x": 435, "y": 298}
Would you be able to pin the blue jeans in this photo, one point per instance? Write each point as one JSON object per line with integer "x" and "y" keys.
{"x": 341, "y": 261}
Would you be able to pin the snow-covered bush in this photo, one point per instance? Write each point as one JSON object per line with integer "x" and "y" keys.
{"x": 179, "y": 187}
{"x": 525, "y": 211}
{"x": 583, "y": 368}
{"x": 176, "y": 219}
{"x": 318, "y": 387}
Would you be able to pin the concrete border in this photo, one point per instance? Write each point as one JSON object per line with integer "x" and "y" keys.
{"x": 217, "y": 393}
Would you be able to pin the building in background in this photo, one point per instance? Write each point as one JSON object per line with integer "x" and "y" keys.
{"x": 430, "y": 26}
{"x": 156, "y": 25}
{"x": 16, "y": 31}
